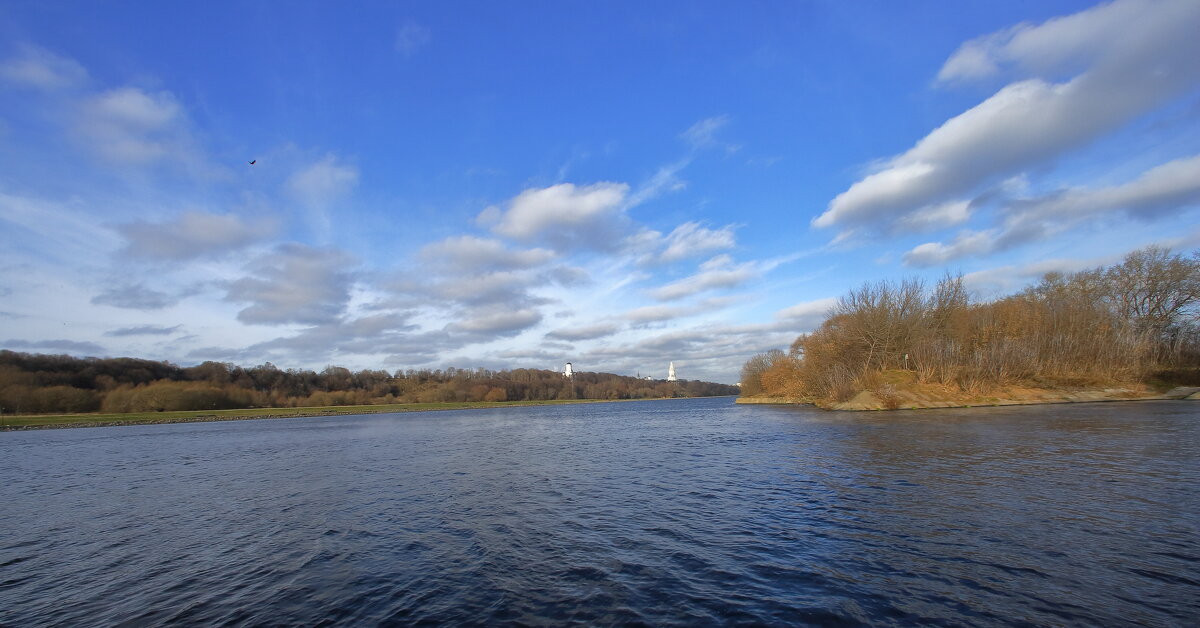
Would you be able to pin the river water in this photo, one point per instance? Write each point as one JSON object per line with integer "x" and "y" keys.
{"x": 684, "y": 512}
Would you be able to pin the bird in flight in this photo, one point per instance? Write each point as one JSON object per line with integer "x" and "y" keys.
{"x": 252, "y": 161}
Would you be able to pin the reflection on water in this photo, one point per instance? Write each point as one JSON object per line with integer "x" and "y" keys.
{"x": 677, "y": 512}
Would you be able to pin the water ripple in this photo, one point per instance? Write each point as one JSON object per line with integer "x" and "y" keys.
{"x": 690, "y": 512}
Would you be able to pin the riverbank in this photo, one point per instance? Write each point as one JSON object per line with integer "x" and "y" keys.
{"x": 919, "y": 397}
{"x": 37, "y": 422}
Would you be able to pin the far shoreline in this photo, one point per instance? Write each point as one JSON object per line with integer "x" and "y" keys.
{"x": 25, "y": 422}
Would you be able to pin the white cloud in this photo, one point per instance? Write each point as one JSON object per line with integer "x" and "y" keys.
{"x": 655, "y": 313}
{"x": 973, "y": 60}
{"x": 39, "y": 68}
{"x": 135, "y": 297}
{"x": 63, "y": 231}
{"x": 934, "y": 217}
{"x": 1108, "y": 32}
{"x": 585, "y": 332}
{"x": 295, "y": 284}
{"x": 692, "y": 239}
{"x": 811, "y": 312}
{"x": 1006, "y": 279}
{"x": 365, "y": 335}
{"x": 703, "y": 134}
{"x": 1166, "y": 187}
{"x": 966, "y": 243}
{"x": 1132, "y": 65}
{"x": 144, "y": 330}
{"x": 659, "y": 313}
{"x": 130, "y": 125}
{"x": 509, "y": 287}
{"x": 563, "y": 214}
{"x": 665, "y": 179}
{"x": 193, "y": 234}
{"x": 497, "y": 321}
{"x": 1169, "y": 187}
{"x": 469, "y": 253}
{"x": 718, "y": 272}
{"x": 411, "y": 37}
{"x": 322, "y": 183}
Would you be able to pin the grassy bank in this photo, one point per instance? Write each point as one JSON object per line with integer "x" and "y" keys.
{"x": 900, "y": 390}
{"x": 25, "y": 422}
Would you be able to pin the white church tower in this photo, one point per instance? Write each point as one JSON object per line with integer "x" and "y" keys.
{"x": 671, "y": 372}
{"x": 567, "y": 372}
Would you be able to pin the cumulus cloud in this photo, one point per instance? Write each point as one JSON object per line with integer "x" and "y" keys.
{"x": 1168, "y": 187}
{"x": 130, "y": 125}
{"x": 143, "y": 330}
{"x": 135, "y": 297}
{"x": 41, "y": 69}
{"x": 295, "y": 284}
{"x": 469, "y": 253}
{"x": 586, "y": 332}
{"x": 564, "y": 215}
{"x": 193, "y": 234}
{"x": 1127, "y": 66}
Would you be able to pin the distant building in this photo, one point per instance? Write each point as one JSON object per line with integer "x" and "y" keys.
{"x": 671, "y": 372}
{"x": 567, "y": 372}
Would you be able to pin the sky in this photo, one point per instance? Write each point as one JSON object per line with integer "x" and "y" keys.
{"x": 618, "y": 185}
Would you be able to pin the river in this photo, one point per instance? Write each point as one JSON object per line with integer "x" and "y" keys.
{"x": 682, "y": 512}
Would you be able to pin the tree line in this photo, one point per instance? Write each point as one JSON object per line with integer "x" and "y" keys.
{"x": 1135, "y": 321}
{"x": 37, "y": 383}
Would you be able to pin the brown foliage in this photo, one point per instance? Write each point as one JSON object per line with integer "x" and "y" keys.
{"x": 1104, "y": 325}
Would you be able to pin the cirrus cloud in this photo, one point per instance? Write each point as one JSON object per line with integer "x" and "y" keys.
{"x": 37, "y": 67}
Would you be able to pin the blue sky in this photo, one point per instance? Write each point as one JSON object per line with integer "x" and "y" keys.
{"x": 617, "y": 185}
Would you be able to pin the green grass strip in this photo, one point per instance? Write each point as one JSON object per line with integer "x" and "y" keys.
{"x": 20, "y": 422}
